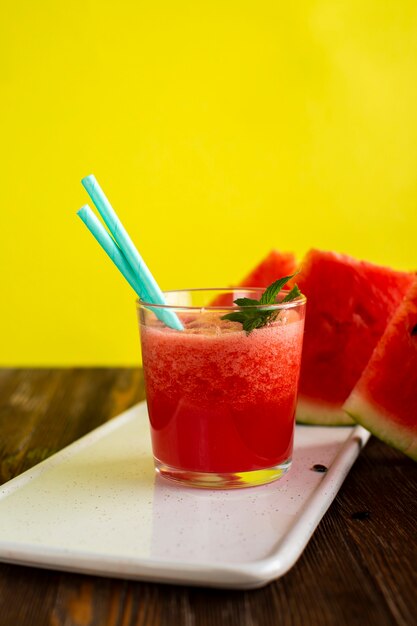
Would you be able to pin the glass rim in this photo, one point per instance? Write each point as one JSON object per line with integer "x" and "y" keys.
{"x": 299, "y": 301}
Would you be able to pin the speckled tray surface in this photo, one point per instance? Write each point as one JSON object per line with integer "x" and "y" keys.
{"x": 97, "y": 507}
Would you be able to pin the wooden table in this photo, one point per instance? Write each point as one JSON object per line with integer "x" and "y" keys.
{"x": 359, "y": 568}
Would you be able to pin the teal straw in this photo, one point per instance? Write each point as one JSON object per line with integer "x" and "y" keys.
{"x": 109, "y": 246}
{"x": 115, "y": 254}
{"x": 126, "y": 245}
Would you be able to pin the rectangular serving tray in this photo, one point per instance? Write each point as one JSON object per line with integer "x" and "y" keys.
{"x": 96, "y": 507}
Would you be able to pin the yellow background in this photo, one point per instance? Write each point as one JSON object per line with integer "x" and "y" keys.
{"x": 218, "y": 128}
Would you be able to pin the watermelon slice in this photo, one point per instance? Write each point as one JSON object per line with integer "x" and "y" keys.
{"x": 349, "y": 303}
{"x": 384, "y": 400}
{"x": 273, "y": 266}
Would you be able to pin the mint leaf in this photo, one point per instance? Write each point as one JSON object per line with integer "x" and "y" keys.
{"x": 291, "y": 295}
{"x": 270, "y": 294}
{"x": 246, "y": 302}
{"x": 258, "y": 321}
{"x": 239, "y": 316}
{"x": 251, "y": 316}
{"x": 254, "y": 322}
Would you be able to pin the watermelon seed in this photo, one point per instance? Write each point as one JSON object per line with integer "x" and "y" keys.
{"x": 414, "y": 330}
{"x": 361, "y": 515}
{"x": 319, "y": 468}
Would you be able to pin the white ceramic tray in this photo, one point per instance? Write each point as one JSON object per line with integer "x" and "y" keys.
{"x": 96, "y": 507}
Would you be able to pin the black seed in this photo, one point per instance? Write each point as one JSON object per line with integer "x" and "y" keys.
{"x": 319, "y": 468}
{"x": 361, "y": 515}
{"x": 414, "y": 330}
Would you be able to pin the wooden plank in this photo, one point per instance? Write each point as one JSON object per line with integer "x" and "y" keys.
{"x": 383, "y": 485}
{"x": 43, "y": 410}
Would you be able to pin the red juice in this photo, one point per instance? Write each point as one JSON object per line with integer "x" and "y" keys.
{"x": 219, "y": 400}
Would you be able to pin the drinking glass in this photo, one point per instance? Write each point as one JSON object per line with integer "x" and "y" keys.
{"x": 221, "y": 401}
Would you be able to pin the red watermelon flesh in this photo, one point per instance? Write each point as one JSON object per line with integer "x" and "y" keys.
{"x": 349, "y": 304}
{"x": 384, "y": 400}
{"x": 275, "y": 265}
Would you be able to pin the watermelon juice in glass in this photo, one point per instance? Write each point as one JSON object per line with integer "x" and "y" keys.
{"x": 221, "y": 399}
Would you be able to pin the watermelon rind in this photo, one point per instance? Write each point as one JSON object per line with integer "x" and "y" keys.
{"x": 383, "y": 426}
{"x": 309, "y": 412}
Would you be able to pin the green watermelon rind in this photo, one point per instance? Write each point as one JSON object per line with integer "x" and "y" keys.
{"x": 319, "y": 414}
{"x": 380, "y": 424}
